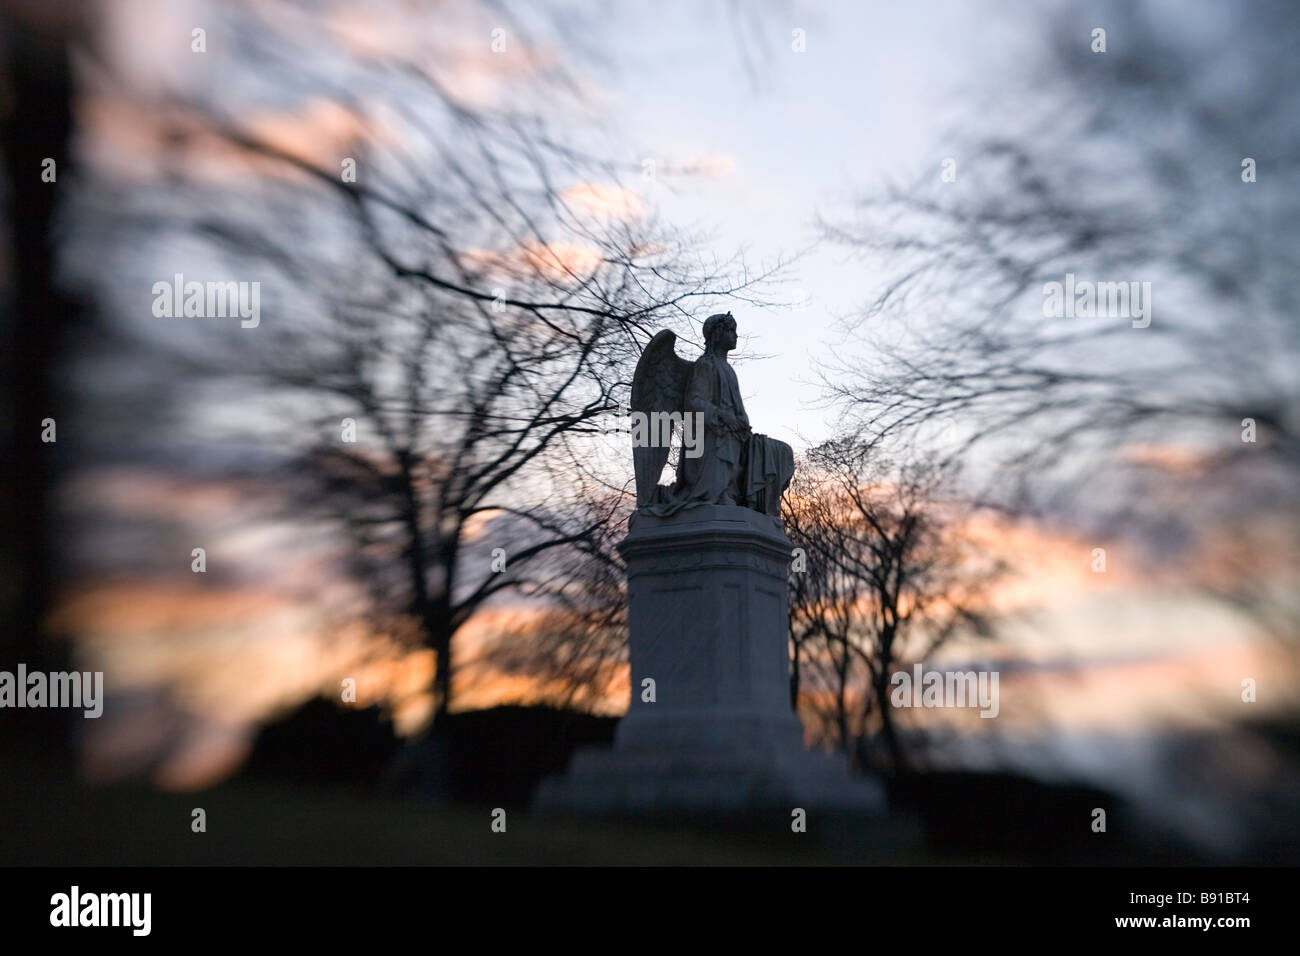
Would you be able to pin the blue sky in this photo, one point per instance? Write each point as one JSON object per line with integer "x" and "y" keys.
{"x": 871, "y": 100}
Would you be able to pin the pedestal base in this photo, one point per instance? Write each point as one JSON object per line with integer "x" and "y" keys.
{"x": 709, "y": 725}
{"x": 747, "y": 766}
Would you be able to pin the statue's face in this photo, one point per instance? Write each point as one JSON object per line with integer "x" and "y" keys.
{"x": 725, "y": 336}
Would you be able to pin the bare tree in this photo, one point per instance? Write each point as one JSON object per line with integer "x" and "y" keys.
{"x": 968, "y": 260}
{"x": 455, "y": 295}
{"x": 37, "y": 48}
{"x": 823, "y": 606}
{"x": 891, "y": 576}
{"x": 1166, "y": 167}
{"x": 573, "y": 648}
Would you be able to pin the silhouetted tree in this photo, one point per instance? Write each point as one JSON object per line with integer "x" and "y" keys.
{"x": 1129, "y": 165}
{"x": 574, "y": 646}
{"x": 36, "y": 314}
{"x": 442, "y": 328}
{"x": 891, "y": 575}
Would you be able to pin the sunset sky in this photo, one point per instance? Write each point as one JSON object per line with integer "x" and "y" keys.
{"x": 750, "y": 141}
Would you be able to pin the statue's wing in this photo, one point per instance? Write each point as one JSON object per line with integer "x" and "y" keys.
{"x": 658, "y": 385}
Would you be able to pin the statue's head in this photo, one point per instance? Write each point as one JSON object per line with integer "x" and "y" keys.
{"x": 720, "y": 332}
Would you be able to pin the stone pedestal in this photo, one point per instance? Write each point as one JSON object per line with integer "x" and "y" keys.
{"x": 708, "y": 624}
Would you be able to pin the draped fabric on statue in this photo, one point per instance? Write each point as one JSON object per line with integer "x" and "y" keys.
{"x": 769, "y": 468}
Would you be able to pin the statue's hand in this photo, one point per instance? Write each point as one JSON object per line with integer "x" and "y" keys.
{"x": 736, "y": 426}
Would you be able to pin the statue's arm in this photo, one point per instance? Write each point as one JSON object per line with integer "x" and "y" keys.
{"x": 702, "y": 396}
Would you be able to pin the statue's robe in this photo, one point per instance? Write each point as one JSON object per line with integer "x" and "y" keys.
{"x": 750, "y": 470}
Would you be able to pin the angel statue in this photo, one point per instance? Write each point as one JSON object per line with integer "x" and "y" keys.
{"x": 728, "y": 464}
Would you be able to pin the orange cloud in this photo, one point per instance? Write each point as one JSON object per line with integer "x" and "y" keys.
{"x": 604, "y": 200}
{"x": 552, "y": 261}
{"x": 137, "y": 142}
{"x": 708, "y": 165}
{"x": 453, "y": 42}
{"x": 321, "y": 132}
{"x": 232, "y": 657}
{"x": 1163, "y": 456}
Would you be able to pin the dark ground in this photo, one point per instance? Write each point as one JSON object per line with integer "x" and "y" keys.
{"x": 328, "y": 787}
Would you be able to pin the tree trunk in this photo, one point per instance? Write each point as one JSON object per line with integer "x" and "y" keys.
{"x": 37, "y": 124}
{"x": 438, "y": 628}
{"x": 434, "y": 613}
{"x": 841, "y": 704}
{"x": 887, "y": 729}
